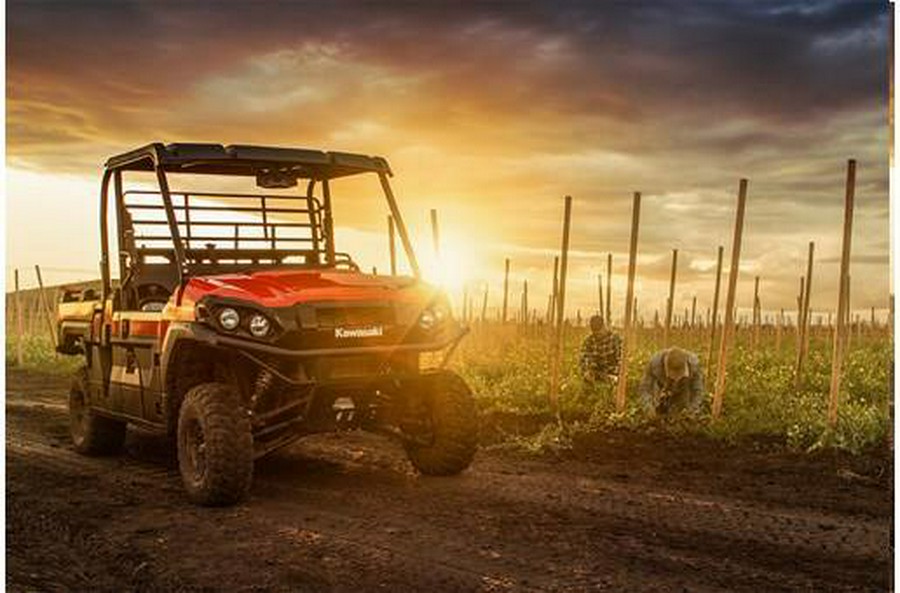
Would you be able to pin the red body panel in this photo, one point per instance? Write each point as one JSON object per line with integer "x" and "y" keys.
{"x": 284, "y": 288}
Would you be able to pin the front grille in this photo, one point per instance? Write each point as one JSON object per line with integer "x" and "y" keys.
{"x": 362, "y": 316}
{"x": 347, "y": 367}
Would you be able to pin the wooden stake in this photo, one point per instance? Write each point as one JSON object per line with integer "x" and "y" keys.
{"x": 838, "y": 354}
{"x": 728, "y": 329}
{"x": 715, "y": 315}
{"x": 634, "y": 311}
{"x": 392, "y": 244}
{"x": 20, "y": 324}
{"x": 525, "y": 302}
{"x": 670, "y": 304}
{"x": 435, "y": 234}
{"x": 601, "y": 311}
{"x": 46, "y": 307}
{"x": 554, "y": 294}
{"x": 505, "y": 290}
{"x": 622, "y": 386}
{"x": 757, "y": 313}
{"x": 848, "y": 334}
{"x": 800, "y": 313}
{"x": 694, "y": 312}
{"x": 609, "y": 290}
{"x": 805, "y": 321}
{"x": 560, "y": 311}
{"x": 484, "y": 304}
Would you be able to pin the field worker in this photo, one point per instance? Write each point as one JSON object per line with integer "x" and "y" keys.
{"x": 600, "y": 353}
{"x": 672, "y": 382}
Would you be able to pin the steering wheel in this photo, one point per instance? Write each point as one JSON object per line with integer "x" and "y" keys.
{"x": 152, "y": 297}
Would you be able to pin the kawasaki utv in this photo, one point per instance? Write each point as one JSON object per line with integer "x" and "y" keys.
{"x": 237, "y": 327}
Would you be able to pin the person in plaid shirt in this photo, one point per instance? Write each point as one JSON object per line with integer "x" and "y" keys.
{"x": 600, "y": 353}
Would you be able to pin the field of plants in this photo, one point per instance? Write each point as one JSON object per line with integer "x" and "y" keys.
{"x": 508, "y": 368}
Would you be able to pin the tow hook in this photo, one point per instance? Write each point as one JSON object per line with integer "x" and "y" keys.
{"x": 344, "y": 413}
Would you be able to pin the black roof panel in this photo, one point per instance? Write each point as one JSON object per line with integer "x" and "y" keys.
{"x": 242, "y": 159}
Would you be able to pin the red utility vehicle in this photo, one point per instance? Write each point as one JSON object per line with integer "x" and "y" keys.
{"x": 237, "y": 327}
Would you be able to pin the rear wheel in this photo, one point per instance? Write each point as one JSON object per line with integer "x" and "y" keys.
{"x": 453, "y": 422}
{"x": 91, "y": 434}
{"x": 215, "y": 445}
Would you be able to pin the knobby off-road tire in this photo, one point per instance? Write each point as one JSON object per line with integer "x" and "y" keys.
{"x": 454, "y": 427}
{"x": 91, "y": 434}
{"x": 215, "y": 445}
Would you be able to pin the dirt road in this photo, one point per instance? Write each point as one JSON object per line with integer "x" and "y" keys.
{"x": 623, "y": 512}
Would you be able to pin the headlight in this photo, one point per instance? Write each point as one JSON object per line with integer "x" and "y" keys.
{"x": 441, "y": 312}
{"x": 259, "y": 326}
{"x": 229, "y": 319}
{"x": 427, "y": 319}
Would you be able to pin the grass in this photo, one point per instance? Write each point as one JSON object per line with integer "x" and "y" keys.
{"x": 38, "y": 355}
{"x": 508, "y": 369}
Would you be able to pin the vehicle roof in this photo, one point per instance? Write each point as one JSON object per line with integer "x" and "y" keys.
{"x": 242, "y": 159}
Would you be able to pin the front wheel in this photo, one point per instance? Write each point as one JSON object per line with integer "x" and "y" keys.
{"x": 91, "y": 434}
{"x": 215, "y": 445}
{"x": 453, "y": 439}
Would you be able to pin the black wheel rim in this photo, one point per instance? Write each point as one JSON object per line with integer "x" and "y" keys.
{"x": 195, "y": 450}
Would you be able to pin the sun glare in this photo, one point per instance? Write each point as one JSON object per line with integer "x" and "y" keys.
{"x": 452, "y": 268}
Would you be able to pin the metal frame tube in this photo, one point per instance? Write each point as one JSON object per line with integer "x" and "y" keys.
{"x": 329, "y": 222}
{"x": 401, "y": 226}
{"x": 105, "y": 285}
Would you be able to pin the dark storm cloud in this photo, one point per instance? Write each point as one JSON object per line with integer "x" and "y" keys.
{"x": 781, "y": 64}
{"x": 504, "y": 105}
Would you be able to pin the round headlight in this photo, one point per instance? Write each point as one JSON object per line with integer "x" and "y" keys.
{"x": 229, "y": 319}
{"x": 427, "y": 319}
{"x": 259, "y": 325}
{"x": 441, "y": 312}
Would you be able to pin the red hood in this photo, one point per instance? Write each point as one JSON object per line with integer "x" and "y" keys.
{"x": 284, "y": 288}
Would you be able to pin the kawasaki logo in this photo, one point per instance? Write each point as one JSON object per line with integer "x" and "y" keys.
{"x": 359, "y": 332}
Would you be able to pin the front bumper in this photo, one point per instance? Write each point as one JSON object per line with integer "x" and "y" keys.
{"x": 219, "y": 340}
{"x": 345, "y": 365}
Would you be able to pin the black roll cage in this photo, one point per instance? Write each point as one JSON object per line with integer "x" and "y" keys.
{"x": 238, "y": 160}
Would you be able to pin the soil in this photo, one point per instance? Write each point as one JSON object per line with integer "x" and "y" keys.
{"x": 621, "y": 512}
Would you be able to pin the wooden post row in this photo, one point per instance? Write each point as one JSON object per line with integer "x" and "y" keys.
{"x": 505, "y": 290}
{"x": 670, "y": 304}
{"x": 805, "y": 320}
{"x": 727, "y": 330}
{"x": 560, "y": 311}
{"x": 843, "y": 284}
{"x": 46, "y": 306}
{"x": 622, "y": 386}
{"x": 714, "y": 320}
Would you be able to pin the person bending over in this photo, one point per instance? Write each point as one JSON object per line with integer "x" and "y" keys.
{"x": 672, "y": 382}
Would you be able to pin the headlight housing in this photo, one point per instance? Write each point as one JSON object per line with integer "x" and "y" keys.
{"x": 229, "y": 319}
{"x": 435, "y": 314}
{"x": 238, "y": 319}
{"x": 427, "y": 319}
{"x": 259, "y": 325}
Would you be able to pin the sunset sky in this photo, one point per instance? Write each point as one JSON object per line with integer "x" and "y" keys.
{"x": 491, "y": 113}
